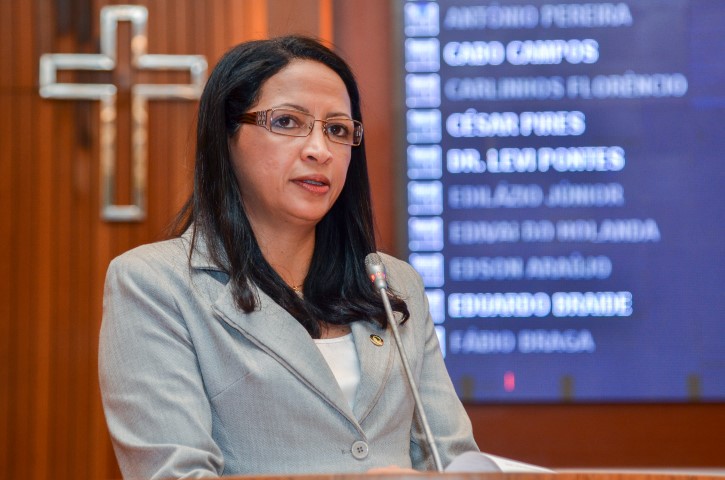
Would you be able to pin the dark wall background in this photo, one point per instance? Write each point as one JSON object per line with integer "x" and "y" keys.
{"x": 615, "y": 435}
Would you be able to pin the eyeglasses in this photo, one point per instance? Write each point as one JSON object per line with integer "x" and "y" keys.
{"x": 299, "y": 124}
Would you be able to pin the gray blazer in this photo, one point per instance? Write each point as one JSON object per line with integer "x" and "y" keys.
{"x": 192, "y": 386}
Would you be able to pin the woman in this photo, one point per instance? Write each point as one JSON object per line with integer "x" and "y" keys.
{"x": 253, "y": 342}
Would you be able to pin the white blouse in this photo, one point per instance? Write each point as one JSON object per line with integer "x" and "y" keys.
{"x": 341, "y": 356}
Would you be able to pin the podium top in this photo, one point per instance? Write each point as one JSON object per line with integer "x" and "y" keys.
{"x": 568, "y": 475}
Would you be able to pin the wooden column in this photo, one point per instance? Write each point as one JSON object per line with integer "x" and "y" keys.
{"x": 364, "y": 37}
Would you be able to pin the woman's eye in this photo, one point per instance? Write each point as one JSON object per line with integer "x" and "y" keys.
{"x": 338, "y": 130}
{"x": 286, "y": 121}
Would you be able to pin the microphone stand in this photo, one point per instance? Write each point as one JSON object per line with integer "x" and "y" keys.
{"x": 411, "y": 381}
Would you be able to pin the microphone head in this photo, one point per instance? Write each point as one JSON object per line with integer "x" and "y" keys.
{"x": 376, "y": 270}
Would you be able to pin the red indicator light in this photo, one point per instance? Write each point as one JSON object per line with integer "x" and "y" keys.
{"x": 509, "y": 381}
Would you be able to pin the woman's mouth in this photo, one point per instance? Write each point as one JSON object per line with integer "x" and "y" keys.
{"x": 317, "y": 184}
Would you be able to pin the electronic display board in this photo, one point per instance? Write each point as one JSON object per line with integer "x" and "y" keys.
{"x": 566, "y": 195}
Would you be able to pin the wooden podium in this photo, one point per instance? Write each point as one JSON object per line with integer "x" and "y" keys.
{"x": 583, "y": 475}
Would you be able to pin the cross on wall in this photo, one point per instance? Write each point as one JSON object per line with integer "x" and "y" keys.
{"x": 51, "y": 63}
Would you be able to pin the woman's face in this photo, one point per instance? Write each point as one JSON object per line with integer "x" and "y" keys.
{"x": 291, "y": 181}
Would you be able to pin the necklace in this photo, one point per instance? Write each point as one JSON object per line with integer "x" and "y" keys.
{"x": 296, "y": 288}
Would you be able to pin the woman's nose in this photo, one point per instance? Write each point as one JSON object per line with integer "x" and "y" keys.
{"x": 317, "y": 145}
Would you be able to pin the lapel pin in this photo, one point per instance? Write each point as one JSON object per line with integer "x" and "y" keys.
{"x": 377, "y": 341}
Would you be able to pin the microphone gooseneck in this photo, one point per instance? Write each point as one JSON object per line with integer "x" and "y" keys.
{"x": 376, "y": 271}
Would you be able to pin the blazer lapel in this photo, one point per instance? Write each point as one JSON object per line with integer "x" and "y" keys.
{"x": 376, "y": 363}
{"x": 274, "y": 330}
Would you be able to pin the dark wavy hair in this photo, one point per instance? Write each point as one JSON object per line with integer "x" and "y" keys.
{"x": 337, "y": 288}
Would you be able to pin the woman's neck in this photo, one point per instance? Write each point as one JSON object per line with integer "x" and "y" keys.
{"x": 288, "y": 251}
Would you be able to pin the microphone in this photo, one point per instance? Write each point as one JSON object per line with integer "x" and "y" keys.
{"x": 376, "y": 271}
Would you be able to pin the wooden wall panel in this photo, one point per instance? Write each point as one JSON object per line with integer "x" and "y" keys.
{"x": 6, "y": 47}
{"x": 8, "y": 356}
{"x": 295, "y": 16}
{"x": 55, "y": 247}
{"x": 624, "y": 435}
{"x": 247, "y": 20}
{"x": 7, "y": 373}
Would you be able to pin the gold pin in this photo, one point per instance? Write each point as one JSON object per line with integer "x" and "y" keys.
{"x": 377, "y": 341}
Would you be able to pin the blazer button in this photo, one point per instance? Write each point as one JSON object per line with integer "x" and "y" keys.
{"x": 359, "y": 450}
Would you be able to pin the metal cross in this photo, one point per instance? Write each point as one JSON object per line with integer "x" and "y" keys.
{"x": 50, "y": 63}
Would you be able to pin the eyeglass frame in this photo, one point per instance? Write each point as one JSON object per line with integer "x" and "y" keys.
{"x": 263, "y": 118}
